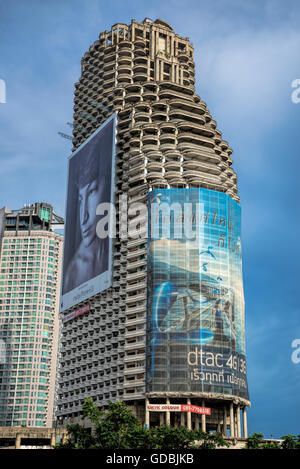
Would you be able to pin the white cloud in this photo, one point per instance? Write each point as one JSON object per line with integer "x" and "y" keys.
{"x": 247, "y": 76}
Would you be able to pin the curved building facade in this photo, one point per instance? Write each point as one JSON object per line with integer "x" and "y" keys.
{"x": 168, "y": 333}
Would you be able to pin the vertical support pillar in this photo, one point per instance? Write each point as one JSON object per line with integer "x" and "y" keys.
{"x": 182, "y": 419}
{"x": 189, "y": 416}
{"x": 245, "y": 422}
{"x": 148, "y": 68}
{"x": 203, "y": 419}
{"x": 161, "y": 418}
{"x": 152, "y": 42}
{"x": 172, "y": 46}
{"x": 218, "y": 428}
{"x": 162, "y": 63}
{"x": 231, "y": 420}
{"x": 112, "y": 36}
{"x": 225, "y": 421}
{"x": 156, "y": 71}
{"x": 52, "y": 439}
{"x": 172, "y": 72}
{"x": 168, "y": 419}
{"x": 147, "y": 414}
{"x": 238, "y": 411}
{"x": 18, "y": 441}
{"x": 197, "y": 422}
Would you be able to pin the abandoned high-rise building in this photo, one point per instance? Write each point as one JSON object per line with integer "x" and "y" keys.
{"x": 118, "y": 345}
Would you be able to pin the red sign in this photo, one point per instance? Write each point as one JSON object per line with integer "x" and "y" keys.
{"x": 84, "y": 309}
{"x": 195, "y": 409}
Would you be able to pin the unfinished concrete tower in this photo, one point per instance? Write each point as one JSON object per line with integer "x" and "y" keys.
{"x": 167, "y": 337}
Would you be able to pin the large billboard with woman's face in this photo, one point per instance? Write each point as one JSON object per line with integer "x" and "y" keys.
{"x": 195, "y": 319}
{"x": 87, "y": 256}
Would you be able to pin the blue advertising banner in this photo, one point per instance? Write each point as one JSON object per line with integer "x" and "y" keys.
{"x": 195, "y": 312}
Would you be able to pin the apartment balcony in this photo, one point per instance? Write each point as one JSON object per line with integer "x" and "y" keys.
{"x": 135, "y": 370}
{"x": 136, "y": 333}
{"x": 136, "y": 321}
{"x": 136, "y": 286}
{"x": 134, "y": 346}
{"x": 136, "y": 253}
{"x": 200, "y": 166}
{"x": 136, "y": 309}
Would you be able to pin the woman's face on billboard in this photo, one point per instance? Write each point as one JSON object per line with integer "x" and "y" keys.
{"x": 90, "y": 196}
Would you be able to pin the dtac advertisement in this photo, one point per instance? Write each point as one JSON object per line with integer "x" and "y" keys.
{"x": 88, "y": 257}
{"x": 195, "y": 317}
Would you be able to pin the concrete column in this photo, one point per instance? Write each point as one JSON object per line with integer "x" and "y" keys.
{"x": 182, "y": 419}
{"x": 172, "y": 46}
{"x": 18, "y": 441}
{"x": 161, "y": 418}
{"x": 156, "y": 70}
{"x": 52, "y": 439}
{"x": 152, "y": 40}
{"x": 245, "y": 422}
{"x": 112, "y": 36}
{"x": 189, "y": 416}
{"x": 148, "y": 68}
{"x": 231, "y": 420}
{"x": 225, "y": 421}
{"x": 168, "y": 417}
{"x": 147, "y": 414}
{"x": 219, "y": 428}
{"x": 203, "y": 419}
{"x": 162, "y": 63}
{"x": 172, "y": 72}
{"x": 238, "y": 412}
{"x": 197, "y": 422}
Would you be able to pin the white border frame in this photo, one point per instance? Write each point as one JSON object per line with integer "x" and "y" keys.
{"x": 102, "y": 281}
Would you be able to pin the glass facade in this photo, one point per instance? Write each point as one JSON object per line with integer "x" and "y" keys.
{"x": 195, "y": 312}
{"x": 28, "y": 289}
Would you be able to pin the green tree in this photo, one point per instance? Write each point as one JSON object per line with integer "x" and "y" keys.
{"x": 254, "y": 441}
{"x": 78, "y": 438}
{"x": 290, "y": 442}
{"x": 118, "y": 428}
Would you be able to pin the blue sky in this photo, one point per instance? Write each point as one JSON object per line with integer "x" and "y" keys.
{"x": 247, "y": 55}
